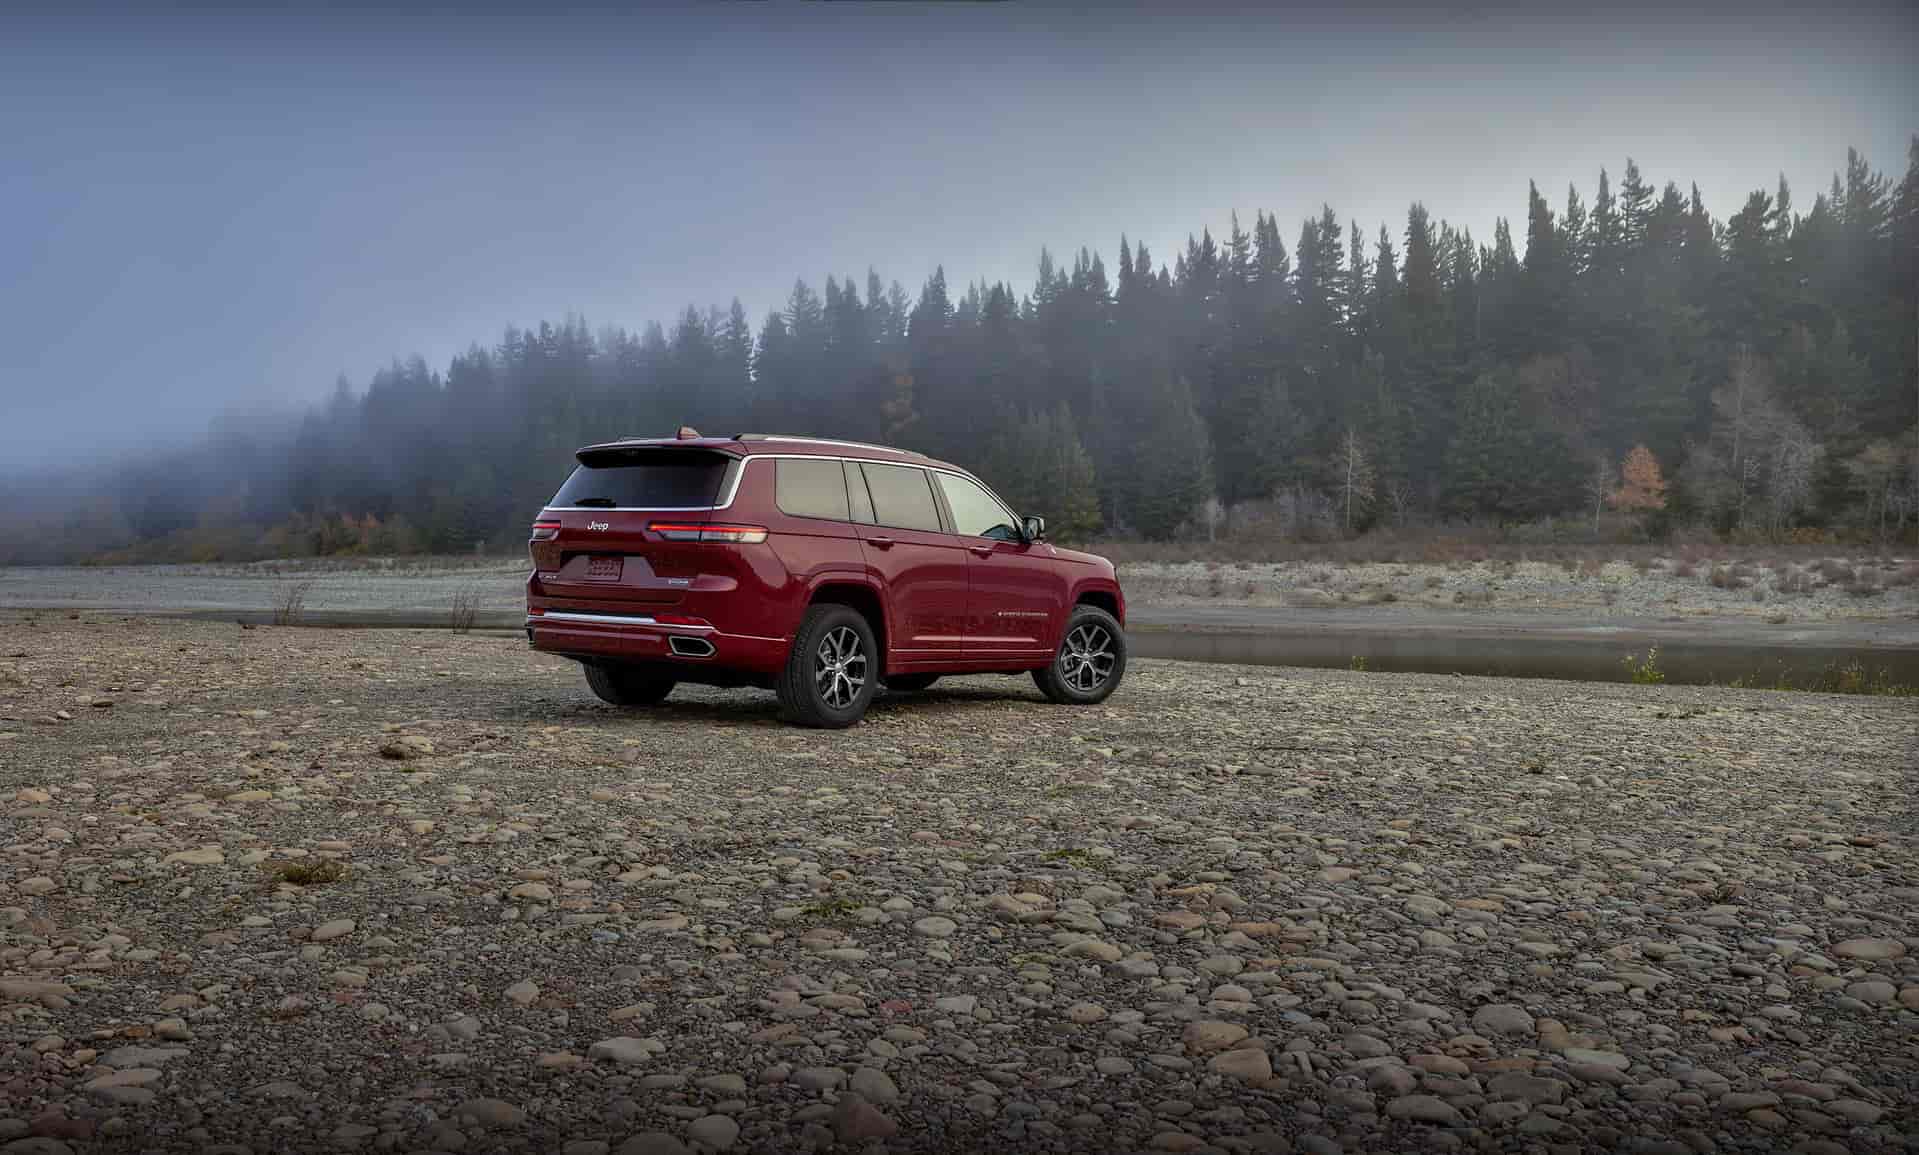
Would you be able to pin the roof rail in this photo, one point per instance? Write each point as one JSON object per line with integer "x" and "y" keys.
{"x": 823, "y": 441}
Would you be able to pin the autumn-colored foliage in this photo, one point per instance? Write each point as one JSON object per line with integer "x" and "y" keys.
{"x": 1642, "y": 486}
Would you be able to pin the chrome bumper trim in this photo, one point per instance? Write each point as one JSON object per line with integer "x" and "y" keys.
{"x": 610, "y": 620}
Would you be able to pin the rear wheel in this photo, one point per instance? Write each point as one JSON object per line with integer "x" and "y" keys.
{"x": 1090, "y": 662}
{"x": 911, "y": 682}
{"x": 627, "y": 685}
{"x": 832, "y": 671}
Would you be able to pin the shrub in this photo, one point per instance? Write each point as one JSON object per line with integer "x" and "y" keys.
{"x": 466, "y": 605}
{"x": 290, "y": 602}
{"x": 1645, "y": 672}
{"x": 307, "y": 871}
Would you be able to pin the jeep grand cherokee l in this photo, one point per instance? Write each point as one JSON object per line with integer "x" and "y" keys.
{"x": 818, "y": 569}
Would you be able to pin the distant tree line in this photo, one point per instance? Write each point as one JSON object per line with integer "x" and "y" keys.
{"x": 1756, "y": 375}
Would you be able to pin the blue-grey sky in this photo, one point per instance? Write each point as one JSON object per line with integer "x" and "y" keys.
{"x": 218, "y": 208}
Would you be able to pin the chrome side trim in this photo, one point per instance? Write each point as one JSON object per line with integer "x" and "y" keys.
{"x": 609, "y": 619}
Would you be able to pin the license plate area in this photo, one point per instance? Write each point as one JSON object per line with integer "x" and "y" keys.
{"x": 603, "y": 568}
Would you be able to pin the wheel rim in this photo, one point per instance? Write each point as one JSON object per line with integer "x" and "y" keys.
{"x": 839, "y": 667}
{"x": 1087, "y": 658}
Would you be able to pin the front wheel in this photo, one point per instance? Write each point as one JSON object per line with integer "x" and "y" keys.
{"x": 626, "y": 685}
{"x": 1090, "y": 662}
{"x": 833, "y": 669}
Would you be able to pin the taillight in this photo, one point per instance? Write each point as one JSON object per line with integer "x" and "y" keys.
{"x": 704, "y": 531}
{"x": 545, "y": 554}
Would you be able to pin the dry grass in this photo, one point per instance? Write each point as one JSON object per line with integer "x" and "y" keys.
{"x": 466, "y": 605}
{"x": 307, "y": 871}
{"x": 289, "y": 602}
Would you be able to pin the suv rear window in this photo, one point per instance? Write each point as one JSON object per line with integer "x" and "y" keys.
{"x": 669, "y": 479}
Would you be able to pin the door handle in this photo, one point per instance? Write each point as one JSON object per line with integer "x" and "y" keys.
{"x": 880, "y": 542}
{"x": 981, "y": 550}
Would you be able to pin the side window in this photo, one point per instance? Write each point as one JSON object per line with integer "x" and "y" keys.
{"x": 857, "y": 497}
{"x": 810, "y": 488}
{"x": 975, "y": 512}
{"x": 902, "y": 497}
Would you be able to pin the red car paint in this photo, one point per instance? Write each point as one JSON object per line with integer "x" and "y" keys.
{"x": 615, "y": 584}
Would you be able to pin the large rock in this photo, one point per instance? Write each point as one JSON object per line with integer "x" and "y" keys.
{"x": 1503, "y": 1019}
{"x": 332, "y": 929}
{"x": 32, "y": 990}
{"x": 202, "y": 856}
{"x": 491, "y": 1112}
{"x": 621, "y": 1049}
{"x": 1873, "y": 949}
{"x": 142, "y": 1056}
{"x": 875, "y": 1085}
{"x": 715, "y": 1131}
{"x": 1424, "y": 1109}
{"x": 1526, "y": 1088}
{"x": 405, "y": 748}
{"x": 1212, "y": 1035}
{"x": 856, "y": 1121}
{"x": 653, "y": 1143}
{"x": 1251, "y": 1064}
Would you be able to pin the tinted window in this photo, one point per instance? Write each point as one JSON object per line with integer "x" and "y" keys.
{"x": 810, "y": 488}
{"x": 975, "y": 512}
{"x": 661, "y": 480}
{"x": 902, "y": 498}
{"x": 856, "y": 495}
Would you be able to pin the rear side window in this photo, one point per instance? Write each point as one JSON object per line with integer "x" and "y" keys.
{"x": 660, "y": 480}
{"x": 902, "y": 497}
{"x": 810, "y": 488}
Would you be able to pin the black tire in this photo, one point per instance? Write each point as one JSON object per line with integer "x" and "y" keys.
{"x": 1090, "y": 662}
{"x": 849, "y": 686}
{"x": 627, "y": 685}
{"x": 909, "y": 683}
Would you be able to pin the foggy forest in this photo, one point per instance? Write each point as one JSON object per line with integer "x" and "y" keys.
{"x": 1614, "y": 362}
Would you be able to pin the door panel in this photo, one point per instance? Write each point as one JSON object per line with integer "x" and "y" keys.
{"x": 924, "y": 571}
{"x": 1016, "y": 592}
{"x": 1016, "y": 598}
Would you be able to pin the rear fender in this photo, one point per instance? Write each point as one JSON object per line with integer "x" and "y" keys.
{"x": 826, "y": 583}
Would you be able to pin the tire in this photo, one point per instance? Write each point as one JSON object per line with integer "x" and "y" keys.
{"x": 832, "y": 671}
{"x": 909, "y": 683}
{"x": 1091, "y": 660}
{"x": 627, "y": 685}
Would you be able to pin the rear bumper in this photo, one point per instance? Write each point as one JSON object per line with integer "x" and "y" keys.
{"x": 637, "y": 637}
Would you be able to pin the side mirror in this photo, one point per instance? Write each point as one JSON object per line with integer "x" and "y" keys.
{"x": 1034, "y": 528}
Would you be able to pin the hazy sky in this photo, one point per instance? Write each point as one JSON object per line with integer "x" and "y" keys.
{"x": 224, "y": 208}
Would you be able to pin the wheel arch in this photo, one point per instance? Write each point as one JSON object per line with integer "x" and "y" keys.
{"x": 1103, "y": 594}
{"x": 859, "y": 593}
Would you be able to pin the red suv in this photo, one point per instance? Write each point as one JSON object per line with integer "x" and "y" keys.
{"x": 819, "y": 569}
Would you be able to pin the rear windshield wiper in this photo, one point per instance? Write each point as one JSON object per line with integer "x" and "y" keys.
{"x": 606, "y": 502}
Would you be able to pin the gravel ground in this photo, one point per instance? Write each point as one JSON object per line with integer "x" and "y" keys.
{"x": 1232, "y": 909}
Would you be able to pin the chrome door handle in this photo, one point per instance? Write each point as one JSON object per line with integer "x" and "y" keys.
{"x": 981, "y": 550}
{"x": 881, "y": 542}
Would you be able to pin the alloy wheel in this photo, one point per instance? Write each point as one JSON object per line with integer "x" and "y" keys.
{"x": 1087, "y": 658}
{"x": 840, "y": 667}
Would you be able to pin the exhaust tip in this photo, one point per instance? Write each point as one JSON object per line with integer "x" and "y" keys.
{"x": 688, "y": 647}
